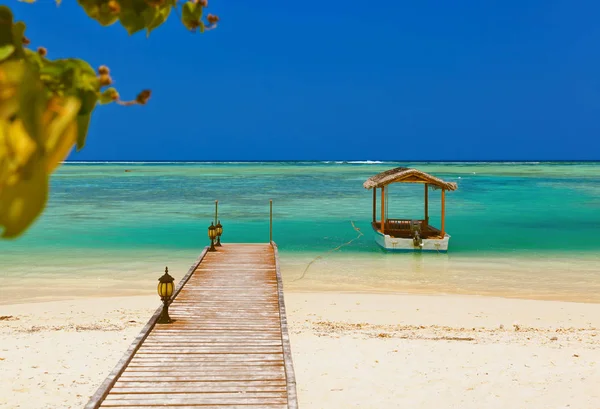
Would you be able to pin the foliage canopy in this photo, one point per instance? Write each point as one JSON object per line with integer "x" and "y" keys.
{"x": 46, "y": 105}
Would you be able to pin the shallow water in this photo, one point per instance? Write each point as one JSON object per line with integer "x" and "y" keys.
{"x": 518, "y": 229}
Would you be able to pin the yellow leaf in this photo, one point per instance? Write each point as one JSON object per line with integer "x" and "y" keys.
{"x": 20, "y": 146}
{"x": 59, "y": 151}
{"x": 22, "y": 202}
{"x": 61, "y": 133}
{"x": 10, "y": 75}
{"x": 4, "y": 160}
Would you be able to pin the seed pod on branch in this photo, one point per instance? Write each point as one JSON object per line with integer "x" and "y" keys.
{"x": 212, "y": 19}
{"x": 104, "y": 80}
{"x": 42, "y": 51}
{"x": 143, "y": 97}
{"x": 103, "y": 70}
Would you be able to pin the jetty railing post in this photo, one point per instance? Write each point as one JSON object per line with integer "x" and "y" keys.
{"x": 270, "y": 221}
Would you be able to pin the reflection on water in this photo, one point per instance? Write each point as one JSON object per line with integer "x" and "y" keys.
{"x": 573, "y": 278}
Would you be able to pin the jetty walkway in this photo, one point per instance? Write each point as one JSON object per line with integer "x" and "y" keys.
{"x": 228, "y": 346}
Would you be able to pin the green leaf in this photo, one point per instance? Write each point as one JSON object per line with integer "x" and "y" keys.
{"x": 82, "y": 65}
{"x": 83, "y": 123}
{"x": 191, "y": 14}
{"x": 74, "y": 74}
{"x": 159, "y": 16}
{"x": 6, "y": 51}
{"x": 131, "y": 21}
{"x": 105, "y": 16}
{"x": 107, "y": 96}
{"x": 91, "y": 7}
{"x": 37, "y": 60}
{"x": 18, "y": 31}
{"x": 6, "y": 34}
{"x": 88, "y": 103}
{"x": 99, "y": 11}
{"x": 32, "y": 103}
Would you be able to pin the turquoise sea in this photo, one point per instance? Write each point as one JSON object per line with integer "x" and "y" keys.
{"x": 518, "y": 229}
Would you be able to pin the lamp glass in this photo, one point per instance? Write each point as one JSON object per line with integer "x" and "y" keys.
{"x": 165, "y": 290}
{"x": 212, "y": 232}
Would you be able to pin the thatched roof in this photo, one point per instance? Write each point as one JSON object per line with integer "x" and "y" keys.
{"x": 407, "y": 175}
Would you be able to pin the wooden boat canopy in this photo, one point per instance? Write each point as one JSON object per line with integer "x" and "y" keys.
{"x": 404, "y": 228}
{"x": 406, "y": 175}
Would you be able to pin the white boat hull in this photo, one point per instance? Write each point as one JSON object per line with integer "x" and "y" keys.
{"x": 390, "y": 243}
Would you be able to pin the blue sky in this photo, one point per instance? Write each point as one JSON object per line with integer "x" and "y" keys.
{"x": 388, "y": 80}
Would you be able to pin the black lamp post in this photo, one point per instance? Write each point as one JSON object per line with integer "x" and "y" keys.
{"x": 212, "y": 234}
{"x": 219, "y": 228}
{"x": 165, "y": 291}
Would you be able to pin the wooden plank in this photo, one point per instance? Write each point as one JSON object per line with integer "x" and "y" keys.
{"x": 213, "y": 406}
{"x": 205, "y": 378}
{"x": 212, "y": 358}
{"x": 193, "y": 396}
{"x": 184, "y": 335}
{"x": 202, "y": 374}
{"x": 199, "y": 385}
{"x": 133, "y": 366}
{"x": 206, "y": 387}
{"x": 214, "y": 350}
{"x": 244, "y": 406}
{"x": 177, "y": 402}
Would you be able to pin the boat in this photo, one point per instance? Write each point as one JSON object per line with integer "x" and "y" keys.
{"x": 408, "y": 234}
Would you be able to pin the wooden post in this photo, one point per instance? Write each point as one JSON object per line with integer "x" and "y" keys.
{"x": 374, "y": 204}
{"x": 216, "y": 211}
{"x": 443, "y": 213}
{"x": 270, "y": 221}
{"x": 426, "y": 204}
{"x": 383, "y": 209}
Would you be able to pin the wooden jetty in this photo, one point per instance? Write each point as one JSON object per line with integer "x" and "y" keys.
{"x": 228, "y": 346}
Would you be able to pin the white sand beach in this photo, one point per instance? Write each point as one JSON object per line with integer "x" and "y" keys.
{"x": 350, "y": 350}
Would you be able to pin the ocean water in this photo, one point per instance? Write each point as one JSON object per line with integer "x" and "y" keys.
{"x": 518, "y": 229}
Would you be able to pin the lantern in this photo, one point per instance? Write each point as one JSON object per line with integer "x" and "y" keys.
{"x": 219, "y": 229}
{"x": 165, "y": 291}
{"x": 212, "y": 234}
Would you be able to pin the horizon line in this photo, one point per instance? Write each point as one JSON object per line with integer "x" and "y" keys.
{"x": 338, "y": 161}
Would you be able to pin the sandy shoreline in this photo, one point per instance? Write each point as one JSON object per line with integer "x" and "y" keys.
{"x": 350, "y": 350}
